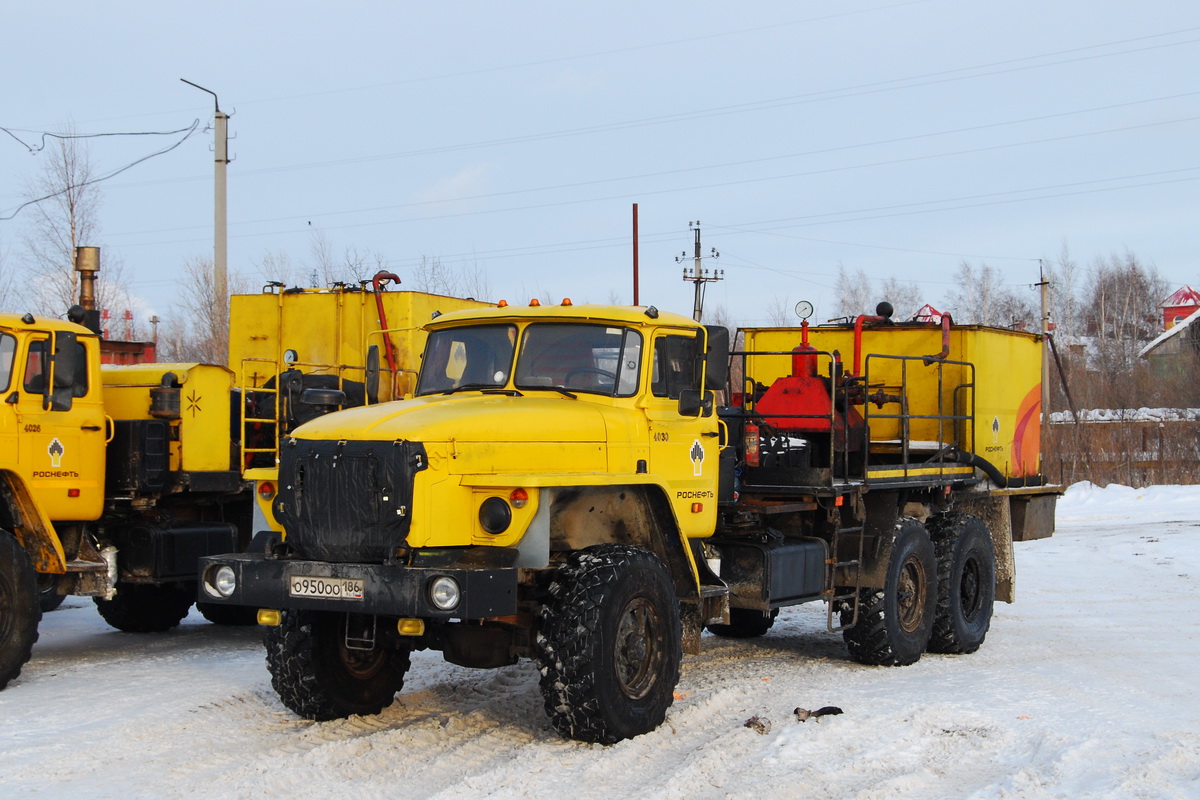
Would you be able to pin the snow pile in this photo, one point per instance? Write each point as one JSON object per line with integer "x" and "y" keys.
{"x": 1085, "y": 688}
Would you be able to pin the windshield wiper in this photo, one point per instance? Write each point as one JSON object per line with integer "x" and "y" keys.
{"x": 470, "y": 387}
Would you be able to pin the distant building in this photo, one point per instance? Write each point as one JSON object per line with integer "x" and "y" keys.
{"x": 1176, "y": 348}
{"x": 1179, "y": 306}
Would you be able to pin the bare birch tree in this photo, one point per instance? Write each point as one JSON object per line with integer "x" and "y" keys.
{"x": 65, "y": 215}
{"x": 981, "y": 297}
{"x": 852, "y": 293}
{"x": 194, "y": 331}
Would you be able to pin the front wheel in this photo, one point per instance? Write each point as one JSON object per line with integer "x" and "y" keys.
{"x": 966, "y": 576}
{"x": 319, "y": 677}
{"x": 147, "y": 607}
{"x": 895, "y": 623}
{"x": 610, "y": 644}
{"x": 19, "y": 609}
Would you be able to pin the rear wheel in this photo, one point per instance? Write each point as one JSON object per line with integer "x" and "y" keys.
{"x": 318, "y": 677}
{"x": 48, "y": 597}
{"x": 895, "y": 623}
{"x": 20, "y": 612}
{"x": 966, "y": 579}
{"x": 610, "y": 644}
{"x": 147, "y": 607}
{"x": 744, "y": 623}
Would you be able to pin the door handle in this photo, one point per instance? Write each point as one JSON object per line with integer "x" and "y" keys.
{"x": 91, "y": 427}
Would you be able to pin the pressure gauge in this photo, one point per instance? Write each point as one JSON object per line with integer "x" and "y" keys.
{"x": 290, "y": 357}
{"x": 804, "y": 309}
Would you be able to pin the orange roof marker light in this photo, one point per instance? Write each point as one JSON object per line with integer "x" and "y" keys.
{"x": 534, "y": 303}
{"x": 502, "y": 304}
{"x": 567, "y": 301}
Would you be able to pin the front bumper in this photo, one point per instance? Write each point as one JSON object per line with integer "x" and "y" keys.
{"x": 387, "y": 589}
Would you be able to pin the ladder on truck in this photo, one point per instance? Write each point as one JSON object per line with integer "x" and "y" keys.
{"x": 851, "y": 589}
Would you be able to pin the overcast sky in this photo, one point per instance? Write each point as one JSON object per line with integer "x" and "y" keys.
{"x": 896, "y": 137}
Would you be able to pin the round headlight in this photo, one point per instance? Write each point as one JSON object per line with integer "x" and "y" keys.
{"x": 444, "y": 593}
{"x": 224, "y": 581}
{"x": 494, "y": 515}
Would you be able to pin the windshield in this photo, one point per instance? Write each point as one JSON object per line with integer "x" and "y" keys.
{"x": 478, "y": 357}
{"x": 601, "y": 359}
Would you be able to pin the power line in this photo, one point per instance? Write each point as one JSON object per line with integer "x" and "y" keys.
{"x": 855, "y": 90}
{"x": 67, "y": 136}
{"x": 662, "y": 173}
{"x": 189, "y": 131}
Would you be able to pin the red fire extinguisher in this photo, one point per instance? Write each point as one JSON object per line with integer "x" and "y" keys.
{"x": 750, "y": 445}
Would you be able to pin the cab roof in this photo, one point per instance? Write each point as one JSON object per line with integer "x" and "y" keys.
{"x": 622, "y": 315}
{"x": 41, "y": 322}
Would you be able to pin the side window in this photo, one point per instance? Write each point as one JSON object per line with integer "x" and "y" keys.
{"x": 79, "y": 387}
{"x": 35, "y": 366}
{"x": 8, "y": 353}
{"x": 675, "y": 360}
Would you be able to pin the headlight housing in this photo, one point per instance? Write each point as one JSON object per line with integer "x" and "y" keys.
{"x": 444, "y": 593}
{"x": 495, "y": 515}
{"x": 222, "y": 581}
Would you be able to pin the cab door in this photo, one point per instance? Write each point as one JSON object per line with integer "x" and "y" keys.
{"x": 61, "y": 424}
{"x": 10, "y": 442}
{"x": 683, "y": 448}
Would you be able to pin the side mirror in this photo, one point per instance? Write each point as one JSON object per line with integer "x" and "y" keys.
{"x": 716, "y": 358}
{"x": 694, "y": 403}
{"x": 371, "y": 381}
{"x": 63, "y": 366}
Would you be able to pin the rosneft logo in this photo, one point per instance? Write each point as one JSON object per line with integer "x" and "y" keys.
{"x": 56, "y": 451}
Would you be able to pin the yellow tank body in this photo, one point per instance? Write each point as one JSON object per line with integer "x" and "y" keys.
{"x": 330, "y": 332}
{"x": 998, "y": 386}
{"x": 201, "y": 438}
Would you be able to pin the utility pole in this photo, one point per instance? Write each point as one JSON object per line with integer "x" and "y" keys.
{"x": 220, "y": 230}
{"x": 1044, "y": 286}
{"x": 697, "y": 274}
{"x": 635, "y": 255}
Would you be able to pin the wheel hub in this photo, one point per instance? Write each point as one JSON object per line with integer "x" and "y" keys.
{"x": 638, "y": 648}
{"x": 910, "y": 593}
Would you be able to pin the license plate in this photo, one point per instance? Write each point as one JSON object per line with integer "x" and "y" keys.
{"x": 328, "y": 588}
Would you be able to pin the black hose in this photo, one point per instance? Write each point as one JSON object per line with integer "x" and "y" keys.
{"x": 989, "y": 469}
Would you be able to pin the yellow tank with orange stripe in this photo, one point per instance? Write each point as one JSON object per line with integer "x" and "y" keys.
{"x": 989, "y": 382}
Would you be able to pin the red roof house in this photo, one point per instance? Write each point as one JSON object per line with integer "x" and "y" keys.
{"x": 1179, "y": 306}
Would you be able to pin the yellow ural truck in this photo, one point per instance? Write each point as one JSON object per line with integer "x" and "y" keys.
{"x": 591, "y": 487}
{"x": 114, "y": 480}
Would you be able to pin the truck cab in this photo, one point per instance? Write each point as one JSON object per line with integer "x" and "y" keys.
{"x": 539, "y": 441}
{"x": 53, "y": 431}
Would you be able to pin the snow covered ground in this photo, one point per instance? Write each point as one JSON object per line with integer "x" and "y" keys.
{"x": 1086, "y": 687}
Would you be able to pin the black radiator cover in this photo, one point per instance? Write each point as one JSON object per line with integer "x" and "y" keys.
{"x": 347, "y": 501}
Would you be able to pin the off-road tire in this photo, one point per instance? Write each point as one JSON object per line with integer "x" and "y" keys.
{"x": 895, "y": 623}
{"x": 48, "y": 597}
{"x": 19, "y": 609}
{"x": 966, "y": 579}
{"x": 317, "y": 677}
{"x": 147, "y": 607}
{"x": 744, "y": 623}
{"x": 219, "y": 614}
{"x": 609, "y": 644}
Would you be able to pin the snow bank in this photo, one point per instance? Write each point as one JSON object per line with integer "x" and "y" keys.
{"x": 1127, "y": 415}
{"x": 1085, "y": 688}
